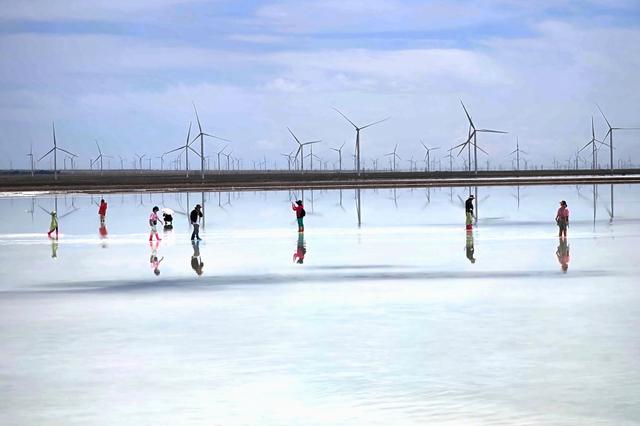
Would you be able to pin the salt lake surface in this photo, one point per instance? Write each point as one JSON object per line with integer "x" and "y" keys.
{"x": 403, "y": 318}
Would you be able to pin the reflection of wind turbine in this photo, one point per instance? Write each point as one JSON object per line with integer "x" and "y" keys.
{"x": 358, "y": 135}
{"x": 610, "y": 134}
{"x": 394, "y": 155}
{"x": 186, "y": 147}
{"x": 201, "y": 135}
{"x": 473, "y": 135}
{"x": 427, "y": 155}
{"x": 55, "y": 154}
{"x": 517, "y": 151}
{"x": 300, "y": 150}
{"x": 450, "y": 157}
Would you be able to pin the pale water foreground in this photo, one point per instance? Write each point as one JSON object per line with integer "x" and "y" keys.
{"x": 405, "y": 319}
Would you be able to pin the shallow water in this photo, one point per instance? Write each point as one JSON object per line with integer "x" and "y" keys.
{"x": 403, "y": 319}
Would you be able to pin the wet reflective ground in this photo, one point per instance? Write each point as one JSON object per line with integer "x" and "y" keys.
{"x": 405, "y": 319}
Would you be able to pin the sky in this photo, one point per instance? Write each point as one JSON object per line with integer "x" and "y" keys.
{"x": 126, "y": 73}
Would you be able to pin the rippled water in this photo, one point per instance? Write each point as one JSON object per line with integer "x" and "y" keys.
{"x": 388, "y": 322}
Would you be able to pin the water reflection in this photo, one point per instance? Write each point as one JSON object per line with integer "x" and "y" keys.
{"x": 54, "y": 248}
{"x": 103, "y": 233}
{"x": 196, "y": 260}
{"x": 562, "y": 253}
{"x": 469, "y": 248}
{"x": 154, "y": 262}
{"x": 301, "y": 249}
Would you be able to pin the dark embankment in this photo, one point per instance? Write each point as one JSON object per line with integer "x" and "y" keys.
{"x": 154, "y": 180}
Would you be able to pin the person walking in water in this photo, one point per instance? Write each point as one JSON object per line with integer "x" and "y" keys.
{"x": 153, "y": 221}
{"x": 102, "y": 210}
{"x": 300, "y": 214}
{"x": 468, "y": 208}
{"x": 562, "y": 219}
{"x": 54, "y": 224}
{"x": 195, "y": 216}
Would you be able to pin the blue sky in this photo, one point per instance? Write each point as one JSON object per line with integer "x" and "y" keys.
{"x": 125, "y": 73}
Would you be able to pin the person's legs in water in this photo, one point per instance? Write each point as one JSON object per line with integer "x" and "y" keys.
{"x": 300, "y": 225}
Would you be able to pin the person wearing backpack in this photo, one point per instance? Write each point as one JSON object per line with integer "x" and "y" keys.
{"x": 300, "y": 214}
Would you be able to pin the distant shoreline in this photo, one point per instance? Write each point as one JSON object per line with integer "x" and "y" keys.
{"x": 173, "y": 181}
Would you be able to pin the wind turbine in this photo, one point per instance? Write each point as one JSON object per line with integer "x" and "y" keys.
{"x": 339, "y": 151}
{"x": 99, "y": 157}
{"x": 301, "y": 148}
{"x": 427, "y": 155}
{"x": 140, "y": 157}
{"x": 473, "y": 135}
{"x": 219, "y": 153}
{"x": 517, "y": 151}
{"x": 186, "y": 147}
{"x": 394, "y": 155}
{"x": 201, "y": 135}
{"x": 610, "y": 134}
{"x": 594, "y": 149}
{"x": 55, "y": 153}
{"x": 450, "y": 157}
{"x": 358, "y": 135}
{"x": 30, "y": 155}
{"x": 227, "y": 155}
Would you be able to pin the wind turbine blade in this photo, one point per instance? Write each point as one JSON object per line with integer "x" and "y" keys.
{"x": 294, "y": 136}
{"x": 375, "y": 122}
{"x": 467, "y": 113}
{"x": 433, "y": 149}
{"x": 70, "y": 153}
{"x": 458, "y": 146}
{"x": 603, "y": 116}
{"x": 491, "y": 131}
{"x": 216, "y": 137}
{"x": 514, "y": 151}
{"x": 312, "y": 142}
{"x": 50, "y": 151}
{"x": 341, "y": 146}
{"x": 174, "y": 150}
{"x": 99, "y": 152}
{"x": 588, "y": 143}
{"x": 482, "y": 150}
{"x": 197, "y": 117}
{"x": 188, "y": 134}
{"x": 461, "y": 149}
{"x": 524, "y": 152}
{"x": 193, "y": 150}
{"x": 346, "y": 118}
{"x": 625, "y": 128}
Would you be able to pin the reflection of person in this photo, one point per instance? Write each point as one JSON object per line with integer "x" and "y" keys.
{"x": 196, "y": 261}
{"x": 195, "y": 216}
{"x": 301, "y": 250}
{"x": 562, "y": 219}
{"x": 54, "y": 224}
{"x": 469, "y": 247}
{"x": 153, "y": 259}
{"x": 102, "y": 210}
{"x": 300, "y": 214}
{"x": 153, "y": 221}
{"x": 468, "y": 208}
{"x": 103, "y": 234}
{"x": 54, "y": 249}
{"x": 563, "y": 254}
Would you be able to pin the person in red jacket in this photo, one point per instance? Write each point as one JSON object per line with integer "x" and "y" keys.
{"x": 102, "y": 210}
{"x": 300, "y": 214}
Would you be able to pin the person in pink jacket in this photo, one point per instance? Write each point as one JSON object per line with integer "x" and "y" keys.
{"x": 562, "y": 219}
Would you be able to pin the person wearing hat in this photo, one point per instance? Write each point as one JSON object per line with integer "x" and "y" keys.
{"x": 468, "y": 208}
{"x": 195, "y": 216}
{"x": 54, "y": 224}
{"x": 153, "y": 221}
{"x": 300, "y": 214}
{"x": 562, "y": 219}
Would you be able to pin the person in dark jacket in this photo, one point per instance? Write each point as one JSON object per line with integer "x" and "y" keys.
{"x": 468, "y": 208}
{"x": 300, "y": 214}
{"x": 195, "y": 216}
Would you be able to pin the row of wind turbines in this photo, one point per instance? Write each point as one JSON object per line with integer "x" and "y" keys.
{"x": 296, "y": 159}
